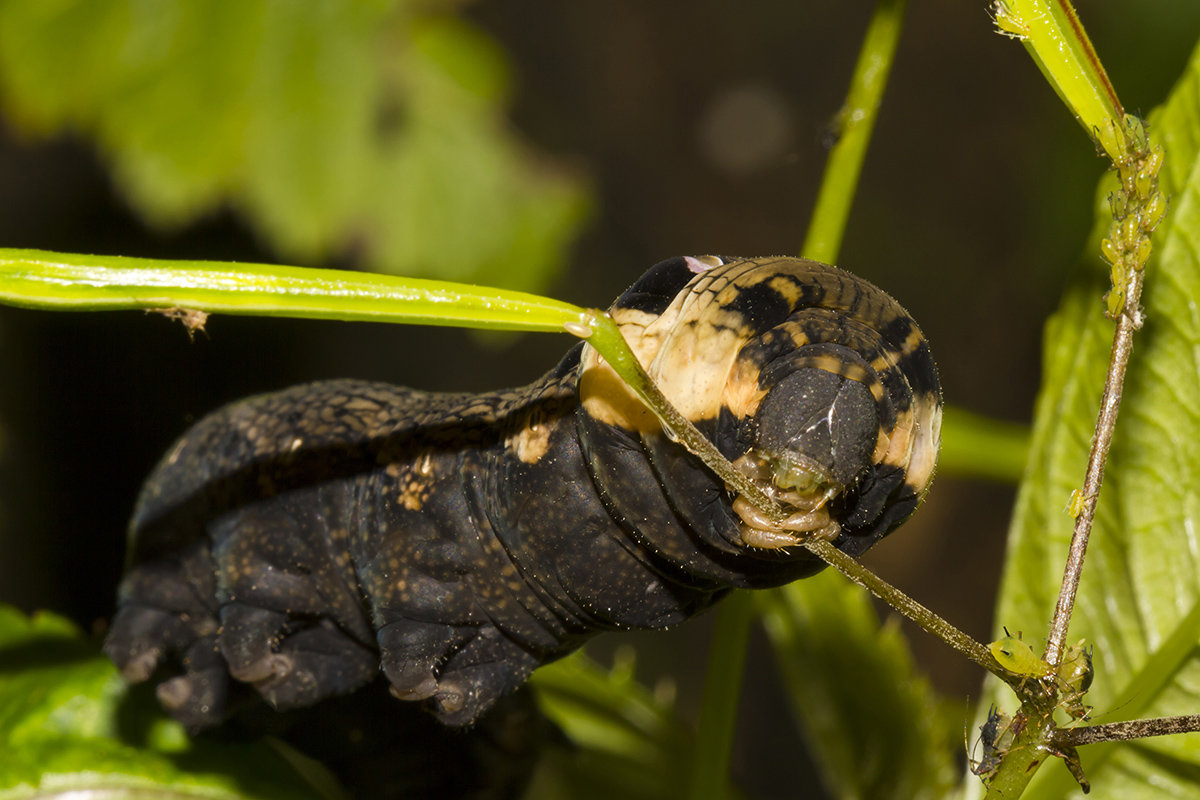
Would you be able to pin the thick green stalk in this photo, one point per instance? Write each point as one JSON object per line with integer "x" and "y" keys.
{"x": 1020, "y": 762}
{"x": 1055, "y": 38}
{"x": 854, "y": 125}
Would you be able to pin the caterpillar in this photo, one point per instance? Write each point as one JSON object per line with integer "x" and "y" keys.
{"x": 300, "y": 542}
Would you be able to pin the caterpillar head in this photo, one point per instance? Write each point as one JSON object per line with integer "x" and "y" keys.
{"x": 814, "y": 436}
{"x": 815, "y": 383}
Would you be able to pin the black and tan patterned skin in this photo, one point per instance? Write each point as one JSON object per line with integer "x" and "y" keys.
{"x": 300, "y": 542}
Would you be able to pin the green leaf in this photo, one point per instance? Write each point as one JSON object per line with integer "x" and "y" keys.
{"x": 72, "y": 282}
{"x": 373, "y": 129}
{"x": 69, "y": 727}
{"x": 1139, "y": 600}
{"x": 876, "y": 727}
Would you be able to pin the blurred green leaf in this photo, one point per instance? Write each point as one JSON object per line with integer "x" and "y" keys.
{"x": 69, "y": 728}
{"x": 980, "y": 447}
{"x": 1140, "y": 591}
{"x": 624, "y": 739}
{"x": 875, "y": 725}
{"x": 372, "y": 130}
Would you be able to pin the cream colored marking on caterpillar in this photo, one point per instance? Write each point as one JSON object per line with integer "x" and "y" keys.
{"x": 604, "y": 394}
{"x": 927, "y": 440}
{"x": 697, "y": 354}
{"x": 742, "y": 391}
{"x": 912, "y": 342}
{"x": 787, "y": 289}
{"x": 899, "y": 452}
{"x": 532, "y": 440}
{"x": 700, "y": 264}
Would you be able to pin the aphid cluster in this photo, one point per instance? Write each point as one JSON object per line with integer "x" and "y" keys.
{"x": 1064, "y": 688}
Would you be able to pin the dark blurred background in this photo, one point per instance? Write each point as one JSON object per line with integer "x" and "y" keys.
{"x": 703, "y": 127}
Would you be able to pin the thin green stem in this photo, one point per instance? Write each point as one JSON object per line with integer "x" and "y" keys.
{"x": 1089, "y": 495}
{"x": 1138, "y": 207}
{"x": 1054, "y": 36}
{"x": 718, "y": 715}
{"x": 1132, "y": 729}
{"x": 854, "y": 125}
{"x": 910, "y": 608}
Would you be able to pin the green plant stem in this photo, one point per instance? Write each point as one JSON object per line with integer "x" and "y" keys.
{"x": 854, "y": 125}
{"x": 1054, "y": 36}
{"x": 1138, "y": 207}
{"x": 1020, "y": 763}
{"x": 67, "y": 281}
{"x": 70, "y": 282}
{"x": 910, "y": 608}
{"x": 718, "y": 714}
{"x": 1106, "y": 423}
{"x": 1132, "y": 729}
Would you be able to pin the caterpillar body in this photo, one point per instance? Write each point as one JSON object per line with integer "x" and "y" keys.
{"x": 301, "y": 542}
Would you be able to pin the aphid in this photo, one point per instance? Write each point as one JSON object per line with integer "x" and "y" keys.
{"x": 301, "y": 542}
{"x": 1017, "y": 657}
{"x": 1008, "y": 21}
{"x": 1072, "y": 679}
{"x": 996, "y": 737}
{"x": 1075, "y": 675}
